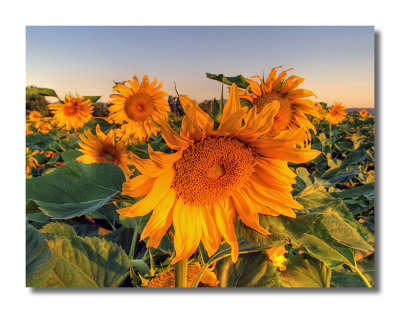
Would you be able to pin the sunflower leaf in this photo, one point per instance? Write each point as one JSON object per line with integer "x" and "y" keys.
{"x": 75, "y": 188}
{"x": 250, "y": 270}
{"x": 86, "y": 262}
{"x": 305, "y": 271}
{"x": 38, "y": 258}
{"x": 239, "y": 80}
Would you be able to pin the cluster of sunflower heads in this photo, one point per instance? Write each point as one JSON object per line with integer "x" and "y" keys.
{"x": 214, "y": 168}
{"x": 214, "y": 172}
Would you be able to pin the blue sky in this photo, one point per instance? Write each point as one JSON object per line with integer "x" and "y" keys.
{"x": 337, "y": 62}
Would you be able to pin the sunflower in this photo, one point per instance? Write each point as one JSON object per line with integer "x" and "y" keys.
{"x": 139, "y": 108}
{"x": 34, "y": 116}
{"x": 276, "y": 255}
{"x": 103, "y": 148}
{"x": 43, "y": 127}
{"x": 167, "y": 280}
{"x": 215, "y": 176}
{"x": 364, "y": 113}
{"x": 293, "y": 107}
{"x": 73, "y": 113}
{"x": 336, "y": 113}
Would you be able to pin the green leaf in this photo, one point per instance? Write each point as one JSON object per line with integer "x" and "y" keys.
{"x": 38, "y": 258}
{"x": 86, "y": 262}
{"x": 75, "y": 188}
{"x": 70, "y": 155}
{"x": 304, "y": 271}
{"x": 367, "y": 190}
{"x": 59, "y": 230}
{"x": 239, "y": 80}
{"x": 41, "y": 91}
{"x": 250, "y": 270}
{"x": 94, "y": 99}
{"x": 106, "y": 213}
{"x": 83, "y": 230}
{"x": 321, "y": 250}
{"x": 354, "y": 157}
{"x": 122, "y": 237}
{"x": 345, "y": 234}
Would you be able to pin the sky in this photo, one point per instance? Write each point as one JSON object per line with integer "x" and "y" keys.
{"x": 337, "y": 62}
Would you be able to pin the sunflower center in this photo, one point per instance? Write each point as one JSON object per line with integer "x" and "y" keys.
{"x": 284, "y": 116}
{"x": 139, "y": 106}
{"x": 108, "y": 154}
{"x": 211, "y": 169}
{"x": 71, "y": 109}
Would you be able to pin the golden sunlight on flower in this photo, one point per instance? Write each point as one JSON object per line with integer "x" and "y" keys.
{"x": 336, "y": 113}
{"x": 73, "y": 113}
{"x": 139, "y": 108}
{"x": 103, "y": 148}
{"x": 215, "y": 176}
{"x": 293, "y": 107}
{"x": 167, "y": 280}
{"x": 276, "y": 255}
{"x": 364, "y": 113}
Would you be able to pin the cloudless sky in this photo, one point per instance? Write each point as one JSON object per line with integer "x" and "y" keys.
{"x": 337, "y": 62}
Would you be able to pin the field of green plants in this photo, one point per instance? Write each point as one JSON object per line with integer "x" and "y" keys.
{"x": 76, "y": 237}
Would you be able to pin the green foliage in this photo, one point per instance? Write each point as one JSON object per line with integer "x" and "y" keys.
{"x": 305, "y": 271}
{"x": 238, "y": 80}
{"x": 250, "y": 270}
{"x": 86, "y": 262}
{"x": 38, "y": 258}
{"x": 75, "y": 188}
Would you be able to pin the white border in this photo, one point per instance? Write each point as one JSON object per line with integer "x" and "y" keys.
{"x": 384, "y": 15}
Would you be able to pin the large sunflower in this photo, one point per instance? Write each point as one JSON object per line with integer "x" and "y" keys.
{"x": 215, "y": 176}
{"x": 103, "y": 148}
{"x": 293, "y": 107}
{"x": 139, "y": 108}
{"x": 73, "y": 113}
{"x": 336, "y": 113}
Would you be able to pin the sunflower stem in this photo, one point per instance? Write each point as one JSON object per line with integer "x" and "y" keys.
{"x": 364, "y": 279}
{"x": 181, "y": 274}
{"x": 133, "y": 243}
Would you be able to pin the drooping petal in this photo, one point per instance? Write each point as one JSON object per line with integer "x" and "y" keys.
{"x": 187, "y": 225}
{"x": 248, "y": 213}
{"x": 160, "y": 188}
{"x": 226, "y": 227}
{"x": 210, "y": 236}
{"x": 160, "y": 220}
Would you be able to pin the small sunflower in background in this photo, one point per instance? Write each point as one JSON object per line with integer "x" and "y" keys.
{"x": 73, "y": 113}
{"x": 292, "y": 110}
{"x": 216, "y": 176}
{"x": 34, "y": 116}
{"x": 364, "y": 113}
{"x": 139, "y": 108}
{"x": 336, "y": 113}
{"x": 103, "y": 148}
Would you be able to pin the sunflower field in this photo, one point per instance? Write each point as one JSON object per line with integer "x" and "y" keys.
{"x": 268, "y": 188}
